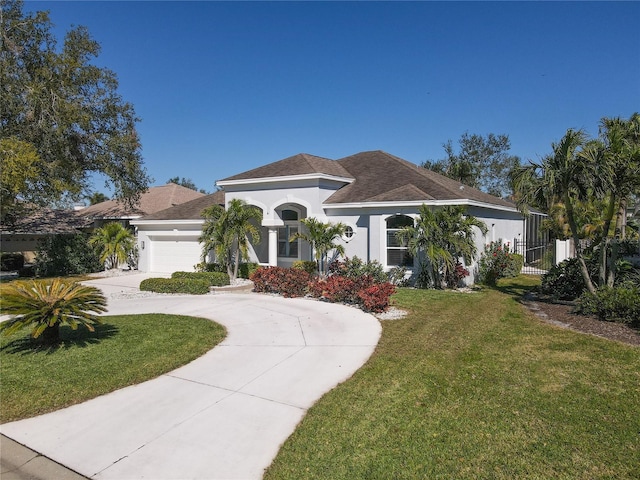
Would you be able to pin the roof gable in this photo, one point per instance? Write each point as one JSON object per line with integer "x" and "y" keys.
{"x": 191, "y": 210}
{"x": 152, "y": 201}
{"x": 380, "y": 176}
{"x": 300, "y": 164}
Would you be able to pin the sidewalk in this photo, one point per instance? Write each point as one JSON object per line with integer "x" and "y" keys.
{"x": 224, "y": 415}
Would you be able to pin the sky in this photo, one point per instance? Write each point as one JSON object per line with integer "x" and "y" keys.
{"x": 224, "y": 87}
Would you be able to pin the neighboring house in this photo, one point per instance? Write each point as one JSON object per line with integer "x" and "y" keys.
{"x": 373, "y": 193}
{"x": 24, "y": 234}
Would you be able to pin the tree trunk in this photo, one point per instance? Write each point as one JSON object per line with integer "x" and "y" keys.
{"x": 576, "y": 240}
{"x": 50, "y": 335}
{"x": 621, "y": 220}
{"x": 604, "y": 244}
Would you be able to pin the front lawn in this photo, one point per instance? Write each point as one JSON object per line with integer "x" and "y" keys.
{"x": 124, "y": 350}
{"x": 472, "y": 385}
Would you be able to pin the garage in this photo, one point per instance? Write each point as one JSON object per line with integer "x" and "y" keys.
{"x": 174, "y": 254}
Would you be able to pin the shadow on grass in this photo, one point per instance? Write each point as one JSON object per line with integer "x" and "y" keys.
{"x": 81, "y": 337}
{"x": 518, "y": 288}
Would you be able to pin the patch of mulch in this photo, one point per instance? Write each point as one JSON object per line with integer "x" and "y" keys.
{"x": 560, "y": 314}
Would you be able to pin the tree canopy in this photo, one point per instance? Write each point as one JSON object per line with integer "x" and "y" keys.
{"x": 187, "y": 183}
{"x": 481, "y": 162}
{"x": 62, "y": 118}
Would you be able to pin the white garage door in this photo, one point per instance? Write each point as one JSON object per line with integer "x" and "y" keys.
{"x": 174, "y": 254}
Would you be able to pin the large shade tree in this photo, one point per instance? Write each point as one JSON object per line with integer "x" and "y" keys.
{"x": 226, "y": 232}
{"x": 442, "y": 236}
{"x": 62, "y": 118}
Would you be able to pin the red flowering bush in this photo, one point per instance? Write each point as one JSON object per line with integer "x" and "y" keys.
{"x": 497, "y": 261}
{"x": 376, "y": 297}
{"x": 289, "y": 282}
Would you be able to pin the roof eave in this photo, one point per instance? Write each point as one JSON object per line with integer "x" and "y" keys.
{"x": 285, "y": 178}
{"x": 418, "y": 203}
{"x": 193, "y": 221}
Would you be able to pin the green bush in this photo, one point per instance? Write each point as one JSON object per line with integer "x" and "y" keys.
{"x": 515, "y": 266}
{"x": 214, "y": 279}
{"x": 246, "y": 269}
{"x": 619, "y": 304}
{"x": 175, "y": 285}
{"x": 307, "y": 265}
{"x": 356, "y": 268}
{"x": 59, "y": 255}
{"x": 564, "y": 281}
{"x": 11, "y": 262}
{"x": 497, "y": 261}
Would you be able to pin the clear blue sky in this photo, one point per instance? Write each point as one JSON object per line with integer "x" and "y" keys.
{"x": 223, "y": 87}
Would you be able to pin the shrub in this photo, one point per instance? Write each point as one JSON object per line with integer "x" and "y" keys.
{"x": 214, "y": 279}
{"x": 71, "y": 254}
{"x": 376, "y": 297}
{"x": 45, "y": 306}
{"x": 398, "y": 276}
{"x": 11, "y": 262}
{"x": 306, "y": 265}
{"x": 356, "y": 268}
{"x": 564, "y": 281}
{"x": 175, "y": 285}
{"x": 515, "y": 266}
{"x": 455, "y": 277}
{"x": 246, "y": 269}
{"x": 496, "y": 262}
{"x": 210, "y": 267}
{"x": 289, "y": 282}
{"x": 619, "y": 304}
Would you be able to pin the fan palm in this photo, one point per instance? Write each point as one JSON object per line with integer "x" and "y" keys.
{"x": 322, "y": 238}
{"x": 115, "y": 242}
{"x": 45, "y": 306}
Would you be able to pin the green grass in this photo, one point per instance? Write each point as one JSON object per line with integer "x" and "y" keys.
{"x": 124, "y": 350}
{"x": 472, "y": 386}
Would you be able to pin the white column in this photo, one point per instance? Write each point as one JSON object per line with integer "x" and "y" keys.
{"x": 273, "y": 247}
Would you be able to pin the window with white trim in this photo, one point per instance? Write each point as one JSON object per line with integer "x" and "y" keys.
{"x": 286, "y": 247}
{"x": 397, "y": 250}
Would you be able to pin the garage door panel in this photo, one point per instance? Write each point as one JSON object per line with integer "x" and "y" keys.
{"x": 174, "y": 254}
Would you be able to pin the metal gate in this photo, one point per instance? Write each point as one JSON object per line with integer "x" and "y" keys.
{"x": 539, "y": 256}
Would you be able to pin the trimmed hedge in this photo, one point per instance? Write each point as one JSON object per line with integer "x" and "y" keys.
{"x": 175, "y": 285}
{"x": 244, "y": 269}
{"x": 11, "y": 262}
{"x": 214, "y": 279}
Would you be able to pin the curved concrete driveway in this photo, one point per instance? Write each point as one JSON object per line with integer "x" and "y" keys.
{"x": 224, "y": 415}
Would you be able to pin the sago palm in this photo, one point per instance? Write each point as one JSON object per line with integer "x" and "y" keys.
{"x": 45, "y": 306}
{"x": 115, "y": 242}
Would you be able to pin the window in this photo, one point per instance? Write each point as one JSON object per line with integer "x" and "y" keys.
{"x": 285, "y": 247}
{"x": 397, "y": 251}
{"x": 348, "y": 233}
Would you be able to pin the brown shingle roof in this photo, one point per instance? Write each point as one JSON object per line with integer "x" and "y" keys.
{"x": 300, "y": 164}
{"x": 189, "y": 210}
{"x": 380, "y": 176}
{"x": 152, "y": 201}
{"x": 46, "y": 221}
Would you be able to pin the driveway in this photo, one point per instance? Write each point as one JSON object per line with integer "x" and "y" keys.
{"x": 224, "y": 415}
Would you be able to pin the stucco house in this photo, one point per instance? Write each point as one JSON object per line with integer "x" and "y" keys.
{"x": 373, "y": 193}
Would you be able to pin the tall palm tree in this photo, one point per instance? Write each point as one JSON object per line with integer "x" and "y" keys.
{"x": 443, "y": 236}
{"x": 115, "y": 242}
{"x": 564, "y": 176}
{"x": 45, "y": 306}
{"x": 322, "y": 238}
{"x": 227, "y": 232}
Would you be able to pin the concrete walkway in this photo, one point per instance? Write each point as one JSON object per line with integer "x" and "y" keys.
{"x": 224, "y": 415}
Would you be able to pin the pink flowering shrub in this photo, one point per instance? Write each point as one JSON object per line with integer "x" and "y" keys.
{"x": 497, "y": 261}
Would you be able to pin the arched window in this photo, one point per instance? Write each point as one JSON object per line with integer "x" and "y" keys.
{"x": 288, "y": 248}
{"x": 397, "y": 251}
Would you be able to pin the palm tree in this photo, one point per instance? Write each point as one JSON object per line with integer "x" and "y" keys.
{"x": 45, "y": 306}
{"x": 115, "y": 242}
{"x": 227, "y": 232}
{"x": 563, "y": 176}
{"x": 443, "y": 236}
{"x": 322, "y": 238}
